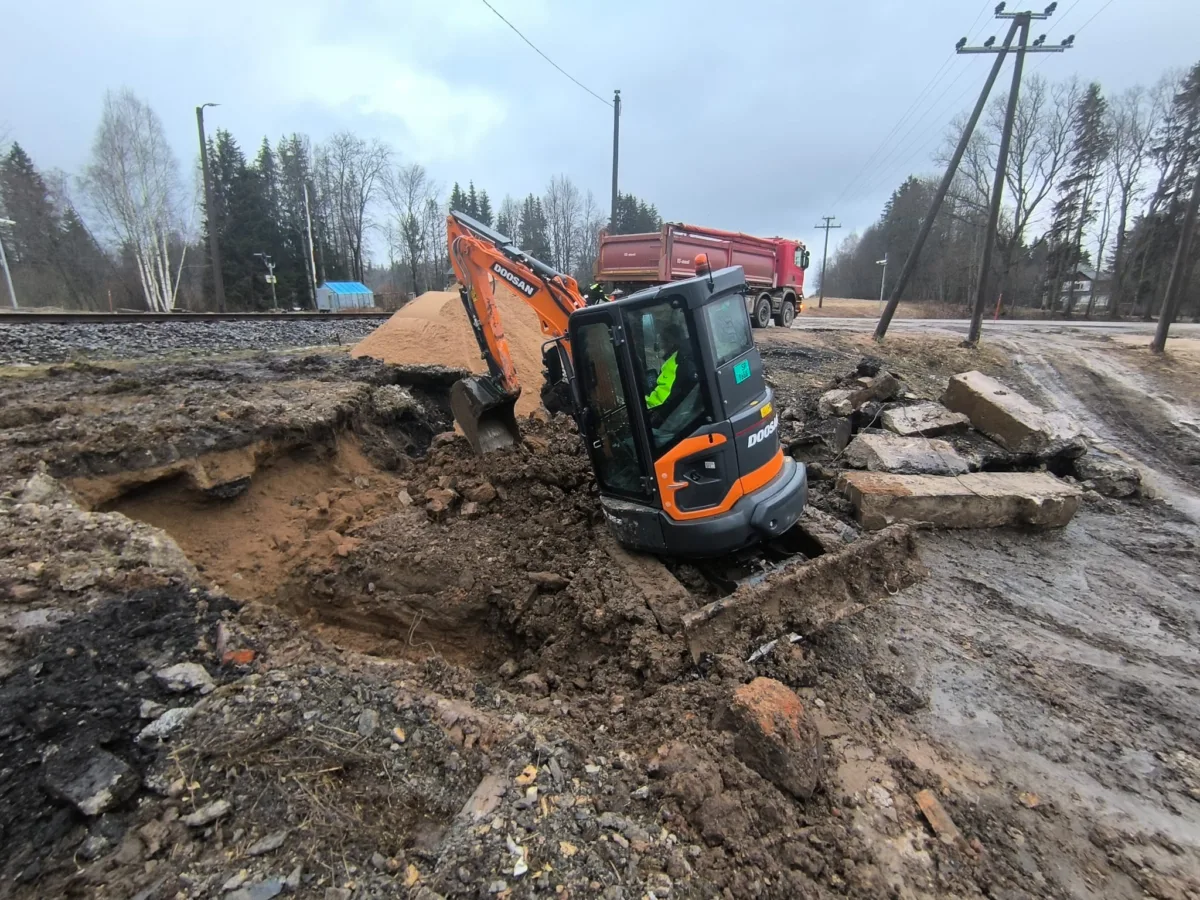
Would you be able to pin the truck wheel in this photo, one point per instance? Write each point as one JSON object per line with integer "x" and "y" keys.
{"x": 787, "y": 314}
{"x": 762, "y": 311}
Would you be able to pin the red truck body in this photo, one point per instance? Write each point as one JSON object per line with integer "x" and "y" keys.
{"x": 774, "y": 267}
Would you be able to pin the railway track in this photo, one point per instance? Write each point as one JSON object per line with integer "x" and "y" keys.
{"x": 10, "y": 317}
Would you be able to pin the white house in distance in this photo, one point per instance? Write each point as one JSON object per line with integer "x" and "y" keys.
{"x": 1089, "y": 288}
{"x": 334, "y": 296}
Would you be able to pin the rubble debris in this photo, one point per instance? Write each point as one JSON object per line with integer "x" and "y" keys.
{"x": 267, "y": 844}
{"x": 904, "y": 455}
{"x": 186, "y": 676}
{"x": 926, "y": 419}
{"x": 844, "y": 401}
{"x": 166, "y": 724}
{"x": 93, "y": 783}
{"x": 937, "y": 817}
{"x": 1011, "y": 420}
{"x": 774, "y": 736}
{"x": 262, "y": 890}
{"x": 975, "y": 500}
{"x": 1108, "y": 475}
{"x": 208, "y": 814}
{"x": 835, "y": 403}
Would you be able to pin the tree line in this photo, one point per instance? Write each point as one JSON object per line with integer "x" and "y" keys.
{"x": 120, "y": 234}
{"x": 1093, "y": 183}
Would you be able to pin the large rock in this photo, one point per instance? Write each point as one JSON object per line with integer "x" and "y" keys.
{"x": 835, "y": 403}
{"x": 94, "y": 783}
{"x": 1011, "y": 420}
{"x": 1109, "y": 475}
{"x": 774, "y": 736}
{"x": 926, "y": 419}
{"x": 977, "y": 500}
{"x": 904, "y": 455}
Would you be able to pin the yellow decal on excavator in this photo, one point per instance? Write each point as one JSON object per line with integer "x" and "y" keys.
{"x": 767, "y": 410}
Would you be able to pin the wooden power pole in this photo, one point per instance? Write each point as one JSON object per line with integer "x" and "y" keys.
{"x": 824, "y": 256}
{"x": 914, "y": 255}
{"x": 1179, "y": 272}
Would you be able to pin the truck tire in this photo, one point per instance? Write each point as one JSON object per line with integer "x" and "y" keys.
{"x": 787, "y": 314}
{"x": 761, "y": 316}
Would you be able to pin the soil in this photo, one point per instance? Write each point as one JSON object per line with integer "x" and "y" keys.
{"x": 434, "y": 329}
{"x": 435, "y": 676}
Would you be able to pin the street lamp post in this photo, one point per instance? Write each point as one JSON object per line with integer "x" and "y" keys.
{"x": 214, "y": 246}
{"x": 4, "y": 262}
{"x": 270, "y": 278}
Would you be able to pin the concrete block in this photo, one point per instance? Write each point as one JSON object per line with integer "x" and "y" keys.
{"x": 1011, "y": 420}
{"x": 835, "y": 403}
{"x": 924, "y": 419}
{"x": 904, "y": 455}
{"x": 977, "y": 500}
{"x": 1109, "y": 475}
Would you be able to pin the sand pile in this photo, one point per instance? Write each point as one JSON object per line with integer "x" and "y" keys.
{"x": 433, "y": 329}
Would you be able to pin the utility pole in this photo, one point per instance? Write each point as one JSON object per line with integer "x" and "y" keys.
{"x": 214, "y": 246}
{"x": 612, "y": 222}
{"x": 914, "y": 255}
{"x": 1179, "y": 272}
{"x": 4, "y": 262}
{"x": 882, "y": 279}
{"x": 824, "y": 256}
{"x": 1023, "y": 20}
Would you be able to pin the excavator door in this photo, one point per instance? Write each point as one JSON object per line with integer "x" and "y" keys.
{"x": 679, "y": 422}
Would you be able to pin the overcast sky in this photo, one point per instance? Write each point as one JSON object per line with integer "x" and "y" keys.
{"x": 753, "y": 116}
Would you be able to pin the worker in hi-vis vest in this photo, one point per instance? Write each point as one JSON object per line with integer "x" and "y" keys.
{"x": 676, "y": 377}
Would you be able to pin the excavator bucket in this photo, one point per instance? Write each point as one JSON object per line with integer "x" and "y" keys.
{"x": 485, "y": 412}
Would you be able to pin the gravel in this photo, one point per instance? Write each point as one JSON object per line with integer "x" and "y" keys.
{"x": 35, "y": 343}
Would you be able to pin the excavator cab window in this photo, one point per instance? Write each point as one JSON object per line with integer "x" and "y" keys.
{"x": 606, "y": 411}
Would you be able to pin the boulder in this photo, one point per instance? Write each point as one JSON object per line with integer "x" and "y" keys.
{"x": 186, "y": 676}
{"x": 904, "y": 455}
{"x": 774, "y": 736}
{"x": 1108, "y": 475}
{"x": 976, "y": 500}
{"x": 926, "y": 419}
{"x": 94, "y": 783}
{"x": 1012, "y": 421}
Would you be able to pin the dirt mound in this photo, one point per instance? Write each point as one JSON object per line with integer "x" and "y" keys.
{"x": 434, "y": 329}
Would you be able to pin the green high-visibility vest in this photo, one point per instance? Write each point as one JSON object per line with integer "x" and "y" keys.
{"x": 666, "y": 381}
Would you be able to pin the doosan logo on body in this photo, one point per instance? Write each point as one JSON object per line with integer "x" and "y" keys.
{"x": 763, "y": 433}
{"x": 515, "y": 280}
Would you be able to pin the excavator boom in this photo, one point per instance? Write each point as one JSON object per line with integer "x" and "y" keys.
{"x": 483, "y": 405}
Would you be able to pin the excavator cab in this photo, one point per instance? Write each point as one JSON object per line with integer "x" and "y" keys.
{"x": 678, "y": 420}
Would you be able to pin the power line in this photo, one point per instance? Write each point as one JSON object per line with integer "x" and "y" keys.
{"x": 517, "y": 31}
{"x": 1096, "y": 13}
{"x": 904, "y": 117}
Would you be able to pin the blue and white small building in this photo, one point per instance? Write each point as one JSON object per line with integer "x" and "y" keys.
{"x": 334, "y": 296}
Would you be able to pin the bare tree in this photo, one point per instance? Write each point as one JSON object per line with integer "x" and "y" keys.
{"x": 1133, "y": 117}
{"x": 562, "y": 205}
{"x": 132, "y": 182}
{"x": 408, "y": 191}
{"x": 355, "y": 170}
{"x": 591, "y": 219}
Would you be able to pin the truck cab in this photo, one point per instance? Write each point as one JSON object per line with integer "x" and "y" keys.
{"x": 678, "y": 420}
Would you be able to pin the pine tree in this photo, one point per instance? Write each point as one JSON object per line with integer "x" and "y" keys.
{"x": 472, "y": 201}
{"x": 84, "y": 263}
{"x": 458, "y": 200}
{"x": 534, "y": 236}
{"x": 485, "y": 209}
{"x": 26, "y": 200}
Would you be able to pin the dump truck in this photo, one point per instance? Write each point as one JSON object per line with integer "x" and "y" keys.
{"x": 774, "y": 267}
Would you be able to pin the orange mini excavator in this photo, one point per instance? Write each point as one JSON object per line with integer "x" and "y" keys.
{"x": 666, "y": 386}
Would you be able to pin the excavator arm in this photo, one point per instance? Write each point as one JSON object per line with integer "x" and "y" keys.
{"x": 483, "y": 405}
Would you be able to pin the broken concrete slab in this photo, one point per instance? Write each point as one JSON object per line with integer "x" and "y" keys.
{"x": 1108, "y": 475}
{"x": 1010, "y": 420}
{"x": 927, "y": 419}
{"x": 976, "y": 500}
{"x": 94, "y": 783}
{"x": 904, "y": 455}
{"x": 835, "y": 403}
{"x": 884, "y": 386}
